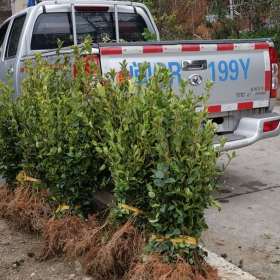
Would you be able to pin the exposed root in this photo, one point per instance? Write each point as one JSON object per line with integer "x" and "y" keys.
{"x": 150, "y": 269}
{"x": 155, "y": 269}
{"x": 113, "y": 259}
{"x": 28, "y": 209}
{"x": 182, "y": 270}
{"x": 69, "y": 235}
{"x": 210, "y": 272}
{"x": 88, "y": 238}
{"x": 105, "y": 254}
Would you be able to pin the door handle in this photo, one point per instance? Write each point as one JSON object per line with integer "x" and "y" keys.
{"x": 193, "y": 65}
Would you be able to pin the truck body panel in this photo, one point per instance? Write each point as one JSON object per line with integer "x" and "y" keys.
{"x": 241, "y": 79}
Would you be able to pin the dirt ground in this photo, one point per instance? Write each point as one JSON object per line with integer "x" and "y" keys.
{"x": 19, "y": 259}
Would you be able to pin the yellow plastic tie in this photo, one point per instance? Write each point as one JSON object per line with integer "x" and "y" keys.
{"x": 135, "y": 210}
{"x": 62, "y": 208}
{"x": 184, "y": 239}
{"x": 181, "y": 239}
{"x": 23, "y": 177}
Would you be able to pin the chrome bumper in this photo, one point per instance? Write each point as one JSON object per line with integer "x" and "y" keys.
{"x": 249, "y": 131}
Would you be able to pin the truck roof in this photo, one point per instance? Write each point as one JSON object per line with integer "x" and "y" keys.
{"x": 76, "y": 2}
{"x": 54, "y": 2}
{"x": 108, "y": 2}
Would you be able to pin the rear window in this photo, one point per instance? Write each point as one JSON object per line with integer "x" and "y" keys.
{"x": 132, "y": 27}
{"x": 51, "y": 27}
{"x": 99, "y": 25}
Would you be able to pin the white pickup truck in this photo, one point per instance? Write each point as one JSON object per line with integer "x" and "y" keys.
{"x": 244, "y": 72}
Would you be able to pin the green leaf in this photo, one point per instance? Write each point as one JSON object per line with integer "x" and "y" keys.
{"x": 152, "y": 194}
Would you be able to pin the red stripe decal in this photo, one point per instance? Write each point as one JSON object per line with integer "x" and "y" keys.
{"x": 245, "y": 105}
{"x": 225, "y": 47}
{"x": 267, "y": 80}
{"x": 152, "y": 49}
{"x": 214, "y": 109}
{"x": 261, "y": 46}
{"x": 190, "y": 48}
{"x": 111, "y": 51}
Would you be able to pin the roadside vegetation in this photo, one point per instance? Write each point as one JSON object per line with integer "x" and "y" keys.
{"x": 187, "y": 19}
{"x": 73, "y": 133}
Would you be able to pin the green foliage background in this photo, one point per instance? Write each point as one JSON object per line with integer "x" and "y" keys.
{"x": 252, "y": 19}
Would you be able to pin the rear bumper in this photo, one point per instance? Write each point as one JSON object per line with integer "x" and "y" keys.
{"x": 249, "y": 131}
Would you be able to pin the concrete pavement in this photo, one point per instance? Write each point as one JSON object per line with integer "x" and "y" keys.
{"x": 247, "y": 230}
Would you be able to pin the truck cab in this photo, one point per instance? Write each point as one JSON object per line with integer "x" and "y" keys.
{"x": 38, "y": 28}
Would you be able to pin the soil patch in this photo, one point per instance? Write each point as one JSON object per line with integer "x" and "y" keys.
{"x": 19, "y": 254}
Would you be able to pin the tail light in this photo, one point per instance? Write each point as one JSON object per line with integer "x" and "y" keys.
{"x": 274, "y": 72}
{"x": 88, "y": 60}
{"x": 270, "y": 126}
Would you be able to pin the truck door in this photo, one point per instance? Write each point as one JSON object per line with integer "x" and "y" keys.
{"x": 11, "y": 61}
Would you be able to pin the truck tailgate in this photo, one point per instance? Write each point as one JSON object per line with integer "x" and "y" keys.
{"x": 240, "y": 71}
